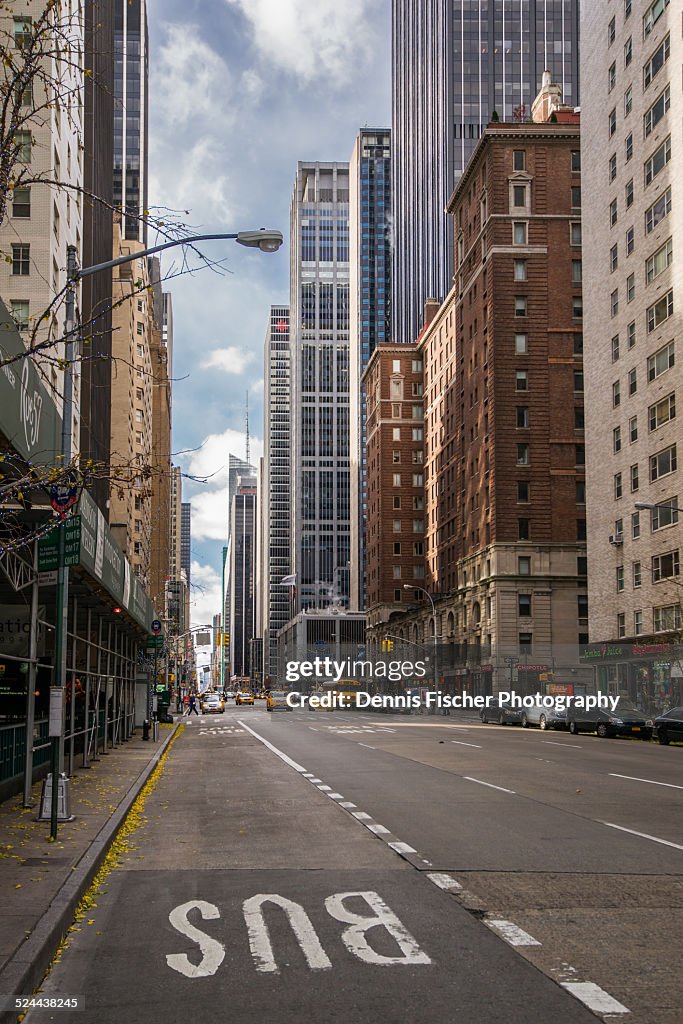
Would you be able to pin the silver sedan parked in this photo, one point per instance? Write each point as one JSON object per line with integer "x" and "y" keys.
{"x": 545, "y": 718}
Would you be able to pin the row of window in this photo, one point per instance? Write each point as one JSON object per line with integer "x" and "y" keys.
{"x": 657, "y": 364}
{"x": 661, "y": 464}
{"x": 664, "y": 617}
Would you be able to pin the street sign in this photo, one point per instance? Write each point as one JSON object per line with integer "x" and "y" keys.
{"x": 48, "y": 546}
{"x": 63, "y": 496}
{"x": 155, "y": 643}
{"x": 156, "y": 626}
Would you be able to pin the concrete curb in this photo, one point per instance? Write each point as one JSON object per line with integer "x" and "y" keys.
{"x": 24, "y": 971}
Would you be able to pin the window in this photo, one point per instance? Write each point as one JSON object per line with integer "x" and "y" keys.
{"x": 665, "y": 567}
{"x": 661, "y": 361}
{"x": 522, "y": 454}
{"x": 20, "y": 313}
{"x": 630, "y": 288}
{"x": 621, "y": 624}
{"x": 418, "y": 526}
{"x": 581, "y": 565}
{"x": 612, "y": 122}
{"x": 634, "y": 477}
{"x": 618, "y": 486}
{"x": 616, "y": 394}
{"x": 635, "y": 525}
{"x": 656, "y": 62}
{"x": 652, "y": 15}
{"x": 520, "y": 305}
{"x": 522, "y": 416}
{"x": 614, "y": 302}
{"x": 663, "y": 463}
{"x": 660, "y": 311}
{"x": 21, "y": 260}
{"x": 613, "y": 213}
{"x": 417, "y": 366}
{"x": 397, "y": 525}
{"x": 657, "y": 111}
{"x": 576, "y": 197}
{"x": 629, "y": 193}
{"x": 631, "y": 334}
{"x": 418, "y": 480}
{"x": 628, "y": 51}
{"x": 397, "y": 479}
{"x": 620, "y": 578}
{"x": 628, "y": 101}
{"x": 140, "y": 351}
{"x": 520, "y": 344}
{"x": 662, "y": 412}
{"x": 524, "y": 565}
{"x": 612, "y": 171}
{"x": 396, "y": 456}
{"x": 633, "y": 429}
{"x": 396, "y": 572}
{"x": 611, "y": 31}
{"x": 578, "y": 380}
{"x": 524, "y": 605}
{"x": 666, "y": 617}
{"x": 575, "y": 233}
{"x": 576, "y": 161}
{"x": 521, "y": 380}
{"x": 659, "y": 261}
{"x": 665, "y": 513}
{"x": 630, "y": 241}
{"x": 23, "y": 27}
{"x": 628, "y": 146}
{"x": 525, "y": 642}
{"x": 637, "y": 575}
{"x": 637, "y": 622}
{"x": 611, "y": 76}
{"x": 660, "y": 209}
{"x": 580, "y": 492}
{"x": 519, "y": 196}
{"x": 519, "y": 160}
{"x": 417, "y": 433}
{"x": 613, "y": 258}
{"x": 417, "y": 412}
{"x": 523, "y": 491}
{"x": 615, "y": 348}
{"x": 577, "y": 272}
{"x": 523, "y": 529}
{"x": 627, "y": 9}
{"x": 519, "y": 232}
{"x": 520, "y": 270}
{"x": 21, "y": 202}
{"x": 396, "y": 433}
{"x": 658, "y": 161}
{"x": 632, "y": 381}
{"x": 396, "y": 364}
{"x": 23, "y": 141}
{"x": 578, "y": 344}
{"x": 579, "y": 418}
{"x": 616, "y": 440}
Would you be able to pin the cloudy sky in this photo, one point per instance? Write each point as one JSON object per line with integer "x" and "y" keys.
{"x": 241, "y": 90}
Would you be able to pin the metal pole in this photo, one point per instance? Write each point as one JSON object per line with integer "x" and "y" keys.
{"x": 72, "y": 702}
{"x": 59, "y": 673}
{"x": 32, "y": 679}
{"x": 86, "y": 709}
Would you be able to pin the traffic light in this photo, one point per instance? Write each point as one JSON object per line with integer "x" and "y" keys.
{"x": 387, "y": 646}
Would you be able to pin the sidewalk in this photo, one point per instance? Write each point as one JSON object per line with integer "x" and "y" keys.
{"x": 40, "y": 882}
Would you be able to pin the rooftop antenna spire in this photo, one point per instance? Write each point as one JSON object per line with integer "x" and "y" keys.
{"x": 246, "y": 419}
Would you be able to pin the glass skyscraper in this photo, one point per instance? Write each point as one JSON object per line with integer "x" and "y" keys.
{"x": 131, "y": 78}
{"x": 370, "y": 299}
{"x": 454, "y": 64}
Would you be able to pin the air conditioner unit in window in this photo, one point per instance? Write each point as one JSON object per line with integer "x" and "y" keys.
{"x": 617, "y": 539}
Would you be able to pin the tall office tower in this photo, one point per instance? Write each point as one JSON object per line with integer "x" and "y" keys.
{"x": 275, "y": 509}
{"x": 370, "y": 297}
{"x": 243, "y": 575}
{"x": 131, "y": 80}
{"x": 40, "y": 221}
{"x": 98, "y": 241}
{"x": 455, "y": 63}
{"x": 236, "y": 468}
{"x": 319, "y": 347}
{"x": 633, "y": 162}
{"x": 186, "y": 538}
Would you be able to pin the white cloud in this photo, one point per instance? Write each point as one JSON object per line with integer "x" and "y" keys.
{"x": 205, "y": 597}
{"x": 211, "y": 460}
{"x": 324, "y": 38}
{"x": 230, "y": 360}
{"x": 193, "y": 77}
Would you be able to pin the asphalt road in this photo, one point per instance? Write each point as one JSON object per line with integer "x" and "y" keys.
{"x": 357, "y": 867}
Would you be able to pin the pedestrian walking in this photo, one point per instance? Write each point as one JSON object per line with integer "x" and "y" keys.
{"x": 192, "y": 705}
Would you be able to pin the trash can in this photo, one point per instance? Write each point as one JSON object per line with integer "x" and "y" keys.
{"x": 145, "y": 729}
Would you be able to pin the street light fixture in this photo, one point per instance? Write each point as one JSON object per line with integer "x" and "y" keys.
{"x": 265, "y": 239}
{"x": 650, "y": 506}
{"x": 410, "y": 586}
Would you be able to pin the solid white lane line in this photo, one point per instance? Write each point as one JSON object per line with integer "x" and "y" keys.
{"x": 594, "y": 997}
{"x": 642, "y": 835}
{"x": 444, "y": 882}
{"x": 362, "y": 816}
{"x": 461, "y": 744}
{"x": 512, "y": 933}
{"x": 379, "y": 830}
{"x": 633, "y": 778}
{"x": 555, "y": 743}
{"x": 401, "y": 848}
{"x": 365, "y": 745}
{"x": 490, "y": 785}
{"x": 278, "y": 753}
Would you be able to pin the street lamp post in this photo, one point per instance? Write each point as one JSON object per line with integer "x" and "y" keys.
{"x": 265, "y": 239}
{"x": 409, "y": 586}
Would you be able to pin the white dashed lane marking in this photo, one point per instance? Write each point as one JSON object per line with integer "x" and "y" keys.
{"x": 444, "y": 882}
{"x": 512, "y": 933}
{"x": 490, "y": 785}
{"x": 651, "y": 782}
{"x": 594, "y": 997}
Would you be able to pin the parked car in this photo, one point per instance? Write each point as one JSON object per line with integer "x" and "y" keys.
{"x": 545, "y": 718}
{"x": 229, "y": 694}
{"x": 212, "y": 704}
{"x": 244, "y": 697}
{"x": 626, "y": 720}
{"x": 277, "y": 701}
{"x": 500, "y": 713}
{"x": 669, "y": 726}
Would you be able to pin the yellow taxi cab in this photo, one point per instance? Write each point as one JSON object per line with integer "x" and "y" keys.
{"x": 244, "y": 697}
{"x": 315, "y": 706}
{"x": 262, "y": 695}
{"x": 277, "y": 701}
